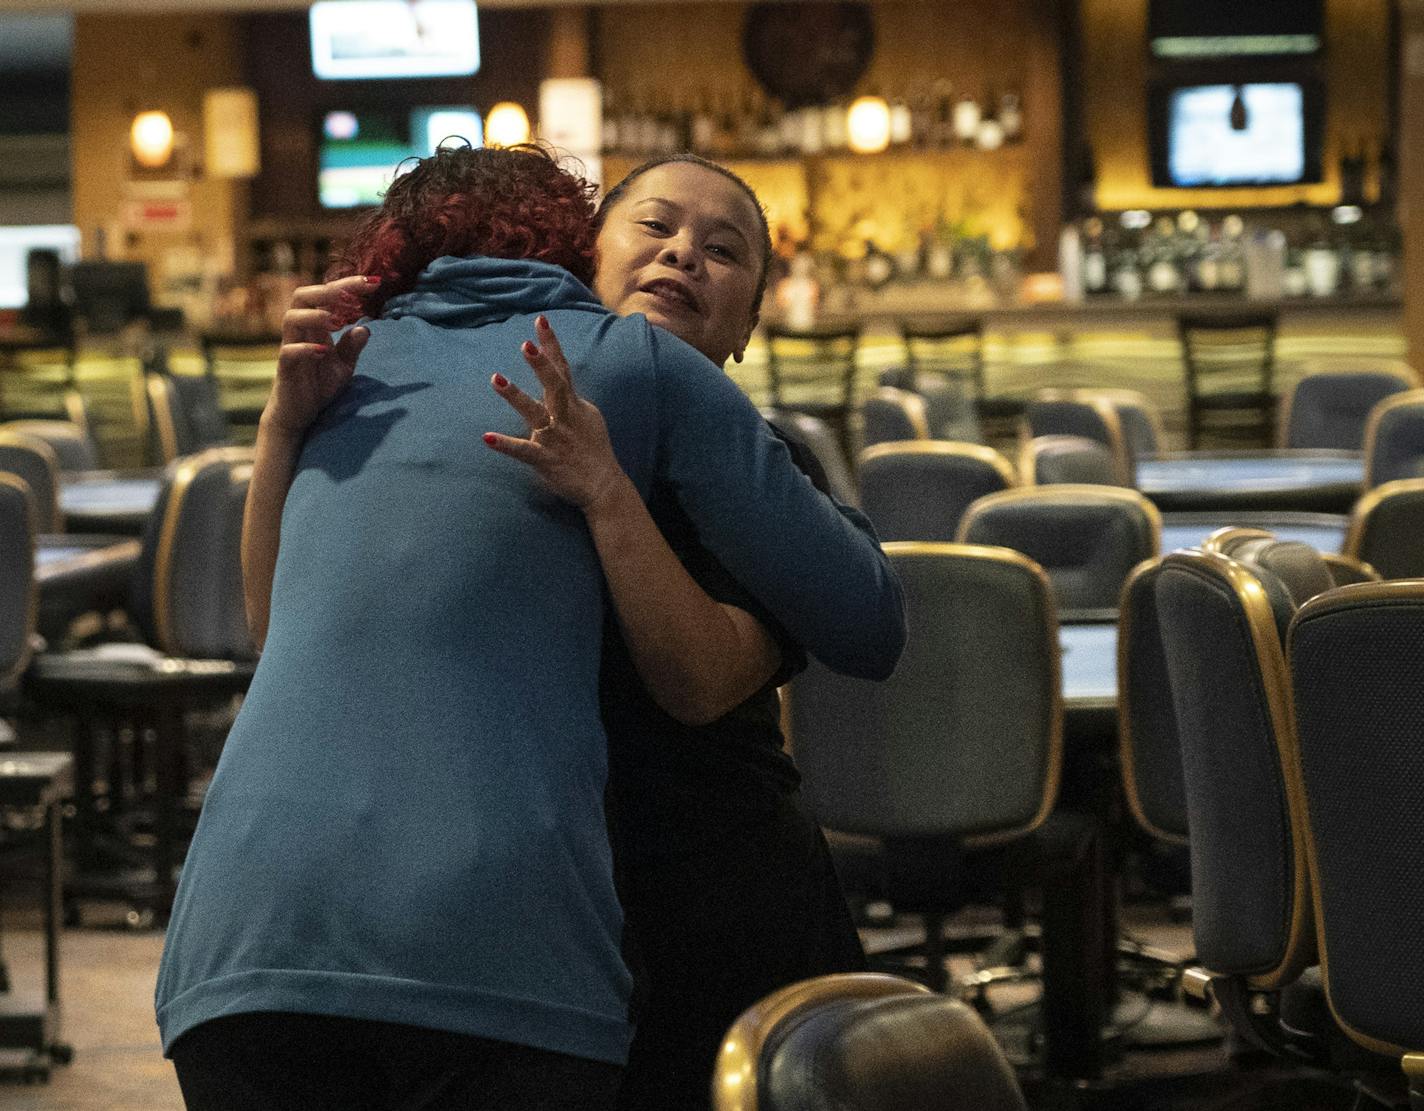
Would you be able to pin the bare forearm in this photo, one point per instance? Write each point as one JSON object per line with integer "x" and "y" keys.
{"x": 697, "y": 657}
{"x": 272, "y": 470}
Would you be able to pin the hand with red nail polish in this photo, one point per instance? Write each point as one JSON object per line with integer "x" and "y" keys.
{"x": 311, "y": 369}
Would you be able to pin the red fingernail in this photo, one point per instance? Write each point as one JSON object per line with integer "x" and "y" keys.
{"x": 489, "y": 437}
{"x": 500, "y": 381}
{"x": 541, "y": 321}
{"x": 373, "y": 279}
{"x": 529, "y": 348}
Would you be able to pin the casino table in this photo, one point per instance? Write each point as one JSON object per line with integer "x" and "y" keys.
{"x": 1325, "y": 532}
{"x": 1322, "y": 481}
{"x": 81, "y": 574}
{"x": 1088, "y": 653}
{"x": 109, "y": 501}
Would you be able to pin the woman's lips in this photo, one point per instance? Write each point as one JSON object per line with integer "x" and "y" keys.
{"x": 672, "y": 294}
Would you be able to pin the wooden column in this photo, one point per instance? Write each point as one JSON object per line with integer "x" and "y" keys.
{"x": 1410, "y": 147}
{"x": 570, "y": 36}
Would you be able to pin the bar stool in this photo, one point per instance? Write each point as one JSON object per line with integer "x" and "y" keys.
{"x": 1230, "y": 364}
{"x": 813, "y": 371}
{"x": 241, "y": 367}
{"x": 954, "y": 349}
{"x": 37, "y": 378}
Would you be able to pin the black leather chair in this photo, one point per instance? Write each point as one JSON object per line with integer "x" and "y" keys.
{"x": 1394, "y": 439}
{"x": 129, "y": 701}
{"x": 863, "y": 1040}
{"x": 1080, "y": 413}
{"x": 815, "y": 436}
{"x": 1331, "y": 409}
{"x": 1387, "y": 529}
{"x": 920, "y": 490}
{"x": 1230, "y": 364}
{"x": 890, "y": 415}
{"x": 1357, "y": 660}
{"x": 36, "y": 463}
{"x": 73, "y": 447}
{"x": 813, "y": 371}
{"x": 1087, "y": 538}
{"x": 1078, "y": 460}
{"x": 951, "y": 351}
{"x": 952, "y": 767}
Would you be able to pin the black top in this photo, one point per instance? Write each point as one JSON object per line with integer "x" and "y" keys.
{"x": 672, "y": 787}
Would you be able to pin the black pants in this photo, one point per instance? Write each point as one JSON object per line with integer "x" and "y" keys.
{"x": 710, "y": 933}
{"x": 270, "y": 1061}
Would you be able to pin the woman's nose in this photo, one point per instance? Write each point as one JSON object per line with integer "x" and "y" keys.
{"x": 680, "y": 253}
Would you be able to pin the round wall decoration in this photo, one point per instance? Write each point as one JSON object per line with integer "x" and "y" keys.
{"x": 808, "y": 52}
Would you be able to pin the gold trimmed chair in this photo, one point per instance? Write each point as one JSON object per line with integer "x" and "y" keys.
{"x": 1087, "y": 538}
{"x": 115, "y": 408}
{"x": 951, "y": 768}
{"x": 184, "y": 416}
{"x": 1394, "y": 439}
{"x": 33, "y": 460}
{"x": 864, "y": 1040}
{"x": 1386, "y": 529}
{"x": 890, "y": 415}
{"x": 1331, "y": 409}
{"x": 186, "y": 600}
{"x": 1357, "y": 659}
{"x": 1348, "y": 570}
{"x": 1230, "y": 366}
{"x": 813, "y": 371}
{"x": 919, "y": 490}
{"x": 1082, "y": 413}
{"x": 73, "y": 447}
{"x": 1077, "y": 460}
{"x": 18, "y": 596}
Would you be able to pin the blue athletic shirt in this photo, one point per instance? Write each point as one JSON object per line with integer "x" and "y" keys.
{"x": 406, "y": 823}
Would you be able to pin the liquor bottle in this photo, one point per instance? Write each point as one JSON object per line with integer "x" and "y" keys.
{"x": 704, "y": 127}
{"x": 1095, "y": 260}
{"x": 833, "y": 126}
{"x": 922, "y": 116}
{"x": 942, "y": 133}
{"x": 768, "y": 133}
{"x": 1011, "y": 116}
{"x": 879, "y": 267}
{"x": 1232, "y": 266}
{"x": 902, "y": 127}
{"x": 967, "y": 115}
{"x": 813, "y": 134}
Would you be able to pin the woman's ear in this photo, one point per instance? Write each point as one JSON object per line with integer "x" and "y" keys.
{"x": 741, "y": 348}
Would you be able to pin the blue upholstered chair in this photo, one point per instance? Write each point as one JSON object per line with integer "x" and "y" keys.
{"x": 1331, "y": 409}
{"x": 919, "y": 490}
{"x": 34, "y": 461}
{"x": 185, "y": 416}
{"x": 17, "y": 577}
{"x": 890, "y": 415}
{"x": 73, "y": 447}
{"x": 1077, "y": 460}
{"x": 1394, "y": 439}
{"x": 952, "y": 767}
{"x": 1357, "y": 661}
{"x": 1387, "y": 529}
{"x": 1081, "y": 413}
{"x": 1087, "y": 538}
{"x": 863, "y": 1040}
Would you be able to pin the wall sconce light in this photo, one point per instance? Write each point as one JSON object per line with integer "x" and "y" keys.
{"x": 868, "y": 125}
{"x": 151, "y": 139}
{"x": 230, "y": 136}
{"x": 506, "y": 125}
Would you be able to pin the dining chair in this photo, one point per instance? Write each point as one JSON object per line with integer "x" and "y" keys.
{"x": 185, "y": 416}
{"x": 951, "y": 350}
{"x": 1386, "y": 529}
{"x": 241, "y": 369}
{"x": 952, "y": 767}
{"x": 33, "y": 460}
{"x": 18, "y": 598}
{"x": 115, "y": 407}
{"x": 889, "y": 415}
{"x": 864, "y": 1040}
{"x": 1052, "y": 460}
{"x": 920, "y": 489}
{"x": 813, "y": 370}
{"x": 1394, "y": 439}
{"x": 1230, "y": 364}
{"x": 1080, "y": 413}
{"x": 1330, "y": 409}
{"x": 1087, "y": 538}
{"x": 73, "y": 446}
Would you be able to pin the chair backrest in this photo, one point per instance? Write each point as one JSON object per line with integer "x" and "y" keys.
{"x": 950, "y": 347}
{"x": 18, "y": 599}
{"x": 1140, "y": 420}
{"x": 1387, "y": 529}
{"x": 816, "y": 436}
{"x": 862, "y": 1040}
{"x": 1052, "y": 460}
{"x": 1357, "y": 660}
{"x": 1233, "y": 353}
{"x": 813, "y": 365}
{"x": 1394, "y": 439}
{"x": 186, "y": 416}
{"x": 1087, "y": 538}
{"x": 1070, "y": 413}
{"x": 949, "y": 402}
{"x": 1148, "y": 742}
{"x": 1331, "y": 409}
{"x": 1296, "y": 566}
{"x": 1347, "y": 570}
{"x": 919, "y": 490}
{"x": 965, "y": 740}
{"x": 34, "y": 461}
{"x": 889, "y": 415}
{"x": 187, "y": 593}
{"x": 74, "y": 448}
{"x": 1251, "y": 914}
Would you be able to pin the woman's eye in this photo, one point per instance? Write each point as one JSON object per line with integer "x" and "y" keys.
{"x": 655, "y": 225}
{"x": 721, "y": 251}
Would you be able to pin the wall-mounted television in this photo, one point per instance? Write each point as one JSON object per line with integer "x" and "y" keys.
{"x": 16, "y": 243}
{"x": 354, "y": 39}
{"x": 359, "y": 152}
{"x": 1230, "y": 135}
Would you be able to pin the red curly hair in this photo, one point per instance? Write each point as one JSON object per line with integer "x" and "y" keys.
{"x": 505, "y": 202}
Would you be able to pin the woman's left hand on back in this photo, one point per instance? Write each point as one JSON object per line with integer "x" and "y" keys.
{"x": 568, "y": 442}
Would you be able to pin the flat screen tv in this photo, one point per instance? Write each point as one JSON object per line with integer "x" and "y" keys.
{"x": 16, "y": 243}
{"x": 354, "y": 39}
{"x": 360, "y": 152}
{"x": 1220, "y": 135}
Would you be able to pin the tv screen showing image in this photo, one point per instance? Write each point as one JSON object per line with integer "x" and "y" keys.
{"x": 361, "y": 152}
{"x": 16, "y": 243}
{"x": 354, "y": 39}
{"x": 1251, "y": 134}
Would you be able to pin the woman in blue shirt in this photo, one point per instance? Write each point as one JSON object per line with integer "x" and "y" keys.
{"x": 405, "y": 832}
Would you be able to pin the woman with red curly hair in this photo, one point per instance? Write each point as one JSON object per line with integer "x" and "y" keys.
{"x": 400, "y": 892}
